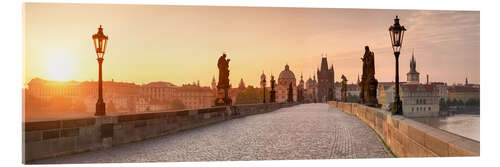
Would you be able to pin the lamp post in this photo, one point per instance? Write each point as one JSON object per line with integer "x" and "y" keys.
{"x": 100, "y": 41}
{"x": 396, "y": 32}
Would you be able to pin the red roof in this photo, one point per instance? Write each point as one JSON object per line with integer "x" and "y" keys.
{"x": 418, "y": 87}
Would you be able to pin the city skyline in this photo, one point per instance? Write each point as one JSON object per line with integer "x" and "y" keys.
{"x": 58, "y": 46}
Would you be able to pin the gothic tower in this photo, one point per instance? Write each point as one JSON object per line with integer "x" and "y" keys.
{"x": 326, "y": 79}
{"x": 413, "y": 77}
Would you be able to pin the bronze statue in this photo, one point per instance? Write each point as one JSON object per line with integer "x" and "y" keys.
{"x": 223, "y": 84}
{"x": 368, "y": 84}
{"x": 343, "y": 89}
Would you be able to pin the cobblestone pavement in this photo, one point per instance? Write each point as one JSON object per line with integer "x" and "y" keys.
{"x": 308, "y": 131}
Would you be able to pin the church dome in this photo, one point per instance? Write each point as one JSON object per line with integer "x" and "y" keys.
{"x": 286, "y": 74}
{"x": 310, "y": 82}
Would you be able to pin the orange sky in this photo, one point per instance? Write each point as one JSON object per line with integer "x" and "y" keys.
{"x": 181, "y": 44}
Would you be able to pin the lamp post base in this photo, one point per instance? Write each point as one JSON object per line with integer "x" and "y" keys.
{"x": 397, "y": 108}
{"x": 100, "y": 109}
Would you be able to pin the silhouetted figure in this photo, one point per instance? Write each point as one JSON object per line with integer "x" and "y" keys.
{"x": 223, "y": 84}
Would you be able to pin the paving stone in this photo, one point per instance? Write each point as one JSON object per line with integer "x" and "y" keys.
{"x": 308, "y": 131}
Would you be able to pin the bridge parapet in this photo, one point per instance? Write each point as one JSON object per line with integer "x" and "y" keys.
{"x": 409, "y": 138}
{"x": 45, "y": 139}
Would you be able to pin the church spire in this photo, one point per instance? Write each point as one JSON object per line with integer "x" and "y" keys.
{"x": 358, "y": 80}
{"x": 413, "y": 63}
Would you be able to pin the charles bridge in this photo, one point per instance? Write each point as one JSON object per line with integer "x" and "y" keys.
{"x": 270, "y": 131}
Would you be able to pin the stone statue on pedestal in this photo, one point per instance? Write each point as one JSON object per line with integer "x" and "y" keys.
{"x": 223, "y": 84}
{"x": 343, "y": 89}
{"x": 368, "y": 84}
{"x": 273, "y": 92}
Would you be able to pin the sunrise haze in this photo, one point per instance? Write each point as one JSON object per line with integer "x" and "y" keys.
{"x": 181, "y": 44}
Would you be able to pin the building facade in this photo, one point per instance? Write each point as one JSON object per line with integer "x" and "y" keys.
{"x": 284, "y": 79}
{"x": 326, "y": 80}
{"x": 121, "y": 96}
{"x": 463, "y": 93}
{"x": 311, "y": 89}
{"x": 420, "y": 100}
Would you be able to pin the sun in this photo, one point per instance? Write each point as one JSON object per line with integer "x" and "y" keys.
{"x": 60, "y": 67}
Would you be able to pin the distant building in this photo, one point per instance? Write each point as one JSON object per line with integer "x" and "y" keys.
{"x": 284, "y": 79}
{"x": 326, "y": 80}
{"x": 194, "y": 96}
{"x": 442, "y": 89}
{"x": 385, "y": 94}
{"x": 310, "y": 92}
{"x": 352, "y": 90}
{"x": 338, "y": 92}
{"x": 120, "y": 94}
{"x": 420, "y": 100}
{"x": 155, "y": 96}
{"x": 463, "y": 93}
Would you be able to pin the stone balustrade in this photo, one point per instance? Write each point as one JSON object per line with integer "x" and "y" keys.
{"x": 45, "y": 139}
{"x": 409, "y": 138}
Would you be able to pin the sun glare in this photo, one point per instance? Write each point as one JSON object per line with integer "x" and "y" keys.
{"x": 60, "y": 67}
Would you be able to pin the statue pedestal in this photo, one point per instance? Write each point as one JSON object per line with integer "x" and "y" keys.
{"x": 222, "y": 100}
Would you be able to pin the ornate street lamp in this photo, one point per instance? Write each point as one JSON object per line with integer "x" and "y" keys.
{"x": 100, "y": 41}
{"x": 396, "y": 32}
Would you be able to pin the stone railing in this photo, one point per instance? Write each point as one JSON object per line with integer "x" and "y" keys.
{"x": 47, "y": 139}
{"x": 409, "y": 138}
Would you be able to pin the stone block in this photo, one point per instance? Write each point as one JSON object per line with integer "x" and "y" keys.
{"x": 63, "y": 145}
{"x": 70, "y": 132}
{"x": 32, "y": 136}
{"x": 50, "y": 134}
{"x": 417, "y": 150}
{"x": 107, "y": 130}
{"x": 416, "y": 135}
{"x": 37, "y": 150}
{"x": 86, "y": 142}
{"x": 42, "y": 125}
{"x": 75, "y": 123}
{"x": 436, "y": 145}
{"x": 464, "y": 147}
{"x": 403, "y": 128}
{"x": 140, "y": 123}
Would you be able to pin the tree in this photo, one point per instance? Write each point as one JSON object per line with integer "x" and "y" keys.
{"x": 442, "y": 104}
{"x": 177, "y": 104}
{"x": 460, "y": 103}
{"x": 251, "y": 95}
{"x": 472, "y": 102}
{"x": 352, "y": 98}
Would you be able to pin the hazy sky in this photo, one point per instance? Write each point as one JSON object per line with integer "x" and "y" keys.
{"x": 181, "y": 44}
